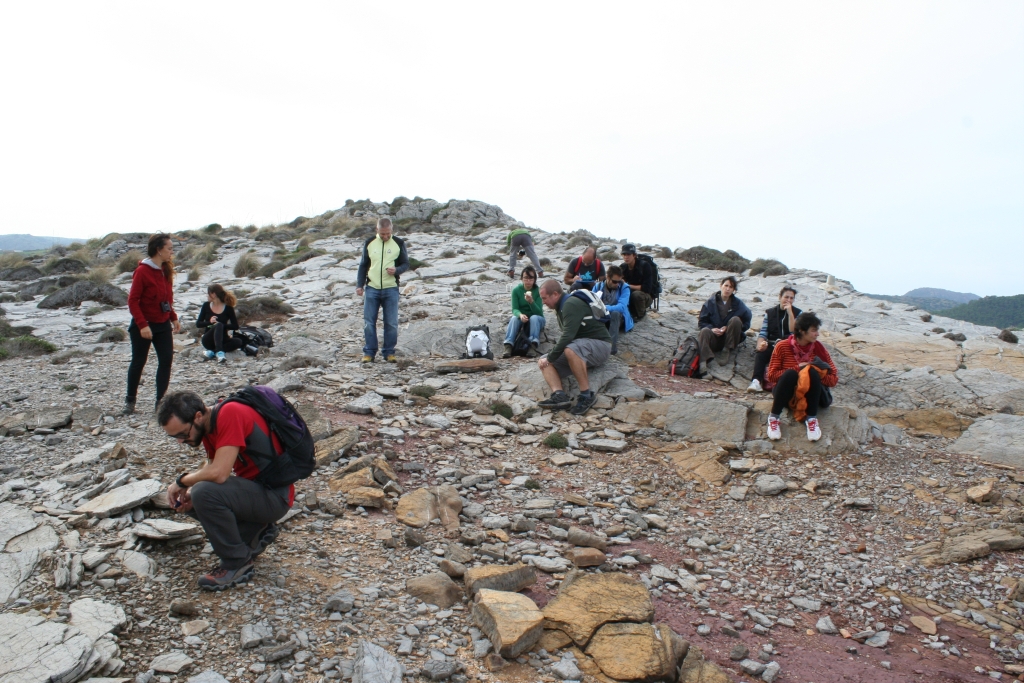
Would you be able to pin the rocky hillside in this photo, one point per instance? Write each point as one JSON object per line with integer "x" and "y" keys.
{"x": 454, "y": 531}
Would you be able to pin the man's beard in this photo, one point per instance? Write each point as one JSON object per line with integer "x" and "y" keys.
{"x": 200, "y": 432}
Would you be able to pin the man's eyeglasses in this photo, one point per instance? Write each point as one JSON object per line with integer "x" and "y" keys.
{"x": 183, "y": 436}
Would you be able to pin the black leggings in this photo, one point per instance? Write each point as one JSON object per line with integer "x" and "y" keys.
{"x": 163, "y": 344}
{"x": 761, "y": 360}
{"x": 216, "y": 339}
{"x": 786, "y": 387}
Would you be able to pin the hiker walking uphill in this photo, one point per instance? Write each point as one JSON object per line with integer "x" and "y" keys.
{"x": 584, "y": 271}
{"x": 803, "y": 374}
{"x": 639, "y": 275}
{"x": 519, "y": 240}
{"x": 615, "y": 293}
{"x": 151, "y": 304}
{"x": 724, "y": 320}
{"x": 584, "y": 344}
{"x": 247, "y": 483}
{"x": 527, "y": 309}
{"x": 778, "y": 323}
{"x": 384, "y": 260}
{"x": 217, "y": 317}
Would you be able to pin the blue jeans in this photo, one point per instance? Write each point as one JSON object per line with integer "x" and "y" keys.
{"x": 373, "y": 301}
{"x": 514, "y": 323}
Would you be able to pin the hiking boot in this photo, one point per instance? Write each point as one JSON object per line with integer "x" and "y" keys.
{"x": 221, "y": 579}
{"x": 584, "y": 403}
{"x": 728, "y": 358}
{"x": 813, "y": 429}
{"x": 703, "y": 369}
{"x": 367, "y": 359}
{"x": 511, "y": 273}
{"x": 208, "y": 354}
{"x": 221, "y": 358}
{"x": 392, "y": 358}
{"x": 129, "y": 408}
{"x": 535, "y": 347}
{"x": 774, "y": 428}
{"x": 556, "y": 401}
{"x": 507, "y": 353}
{"x": 755, "y": 387}
{"x": 264, "y": 538}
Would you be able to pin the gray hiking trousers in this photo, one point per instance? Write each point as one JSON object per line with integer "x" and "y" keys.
{"x": 233, "y": 513}
{"x": 523, "y": 241}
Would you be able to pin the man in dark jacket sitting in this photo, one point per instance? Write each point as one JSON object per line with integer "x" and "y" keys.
{"x": 778, "y": 324}
{"x": 724, "y": 319}
{"x": 584, "y": 344}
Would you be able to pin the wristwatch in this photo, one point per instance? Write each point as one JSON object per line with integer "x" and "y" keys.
{"x": 179, "y": 482}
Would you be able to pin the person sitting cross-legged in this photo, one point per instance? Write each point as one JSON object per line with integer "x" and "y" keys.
{"x": 615, "y": 293}
{"x": 584, "y": 344}
{"x": 799, "y": 368}
{"x": 723, "y": 321}
{"x": 584, "y": 271}
{"x": 527, "y": 309}
{"x": 237, "y": 512}
{"x": 777, "y": 324}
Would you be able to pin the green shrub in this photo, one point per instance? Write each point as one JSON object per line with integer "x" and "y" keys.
{"x": 99, "y": 275}
{"x": 93, "y": 310}
{"x": 27, "y": 345}
{"x": 532, "y": 484}
{"x": 212, "y": 228}
{"x": 113, "y": 334}
{"x": 484, "y": 277}
{"x": 545, "y": 261}
{"x": 7, "y": 297}
{"x": 11, "y": 259}
{"x": 69, "y": 387}
{"x": 195, "y": 273}
{"x": 493, "y": 258}
{"x": 768, "y": 267}
{"x": 295, "y": 272}
{"x": 415, "y": 263}
{"x": 448, "y": 253}
{"x": 464, "y": 281}
{"x": 129, "y": 261}
{"x": 64, "y": 356}
{"x": 555, "y": 440}
{"x": 422, "y": 390}
{"x": 609, "y": 256}
{"x": 247, "y": 265}
{"x": 269, "y": 269}
{"x": 304, "y": 242}
{"x": 503, "y": 409}
{"x": 712, "y": 259}
{"x": 254, "y": 308}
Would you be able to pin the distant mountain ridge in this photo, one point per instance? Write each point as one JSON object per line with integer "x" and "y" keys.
{"x": 931, "y": 299}
{"x": 936, "y": 293}
{"x": 997, "y": 311}
{"x": 24, "y": 242}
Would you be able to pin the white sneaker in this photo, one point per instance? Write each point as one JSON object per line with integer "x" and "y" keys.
{"x": 754, "y": 388}
{"x": 209, "y": 354}
{"x": 774, "y": 429}
{"x": 813, "y": 430}
{"x": 221, "y": 358}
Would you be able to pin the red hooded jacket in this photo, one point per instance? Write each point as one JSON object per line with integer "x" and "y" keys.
{"x": 149, "y": 289}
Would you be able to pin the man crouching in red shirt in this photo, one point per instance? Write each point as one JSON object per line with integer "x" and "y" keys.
{"x": 237, "y": 513}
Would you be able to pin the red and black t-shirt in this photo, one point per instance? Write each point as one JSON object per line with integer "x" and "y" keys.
{"x": 235, "y": 425}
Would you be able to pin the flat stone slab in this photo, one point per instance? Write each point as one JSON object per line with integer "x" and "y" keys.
{"x": 563, "y": 459}
{"x": 390, "y": 392}
{"x": 994, "y": 438}
{"x": 15, "y": 568}
{"x": 122, "y": 498}
{"x": 36, "y": 649}
{"x": 171, "y": 663}
{"x": 15, "y": 520}
{"x": 466, "y": 365}
{"x": 365, "y": 404}
{"x": 41, "y": 539}
{"x": 164, "y": 529}
{"x": 209, "y": 676}
{"x": 607, "y": 445}
{"x": 96, "y": 618}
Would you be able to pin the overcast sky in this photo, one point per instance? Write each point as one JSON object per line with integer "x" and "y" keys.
{"x": 879, "y": 141}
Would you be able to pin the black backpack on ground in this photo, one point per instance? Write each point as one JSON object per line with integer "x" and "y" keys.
{"x": 686, "y": 360}
{"x": 254, "y": 339}
{"x": 297, "y": 460}
{"x": 521, "y": 344}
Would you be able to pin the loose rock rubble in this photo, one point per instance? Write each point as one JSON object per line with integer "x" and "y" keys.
{"x": 662, "y": 537}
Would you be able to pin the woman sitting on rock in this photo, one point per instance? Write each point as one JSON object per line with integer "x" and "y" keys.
{"x": 723, "y": 322}
{"x": 777, "y": 324}
{"x": 217, "y": 317}
{"x": 527, "y": 309}
{"x": 799, "y": 368}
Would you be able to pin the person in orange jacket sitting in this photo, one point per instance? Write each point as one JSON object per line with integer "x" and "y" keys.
{"x": 800, "y": 368}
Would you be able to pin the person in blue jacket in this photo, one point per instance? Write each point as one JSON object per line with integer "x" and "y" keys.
{"x": 614, "y": 292}
{"x": 723, "y": 322}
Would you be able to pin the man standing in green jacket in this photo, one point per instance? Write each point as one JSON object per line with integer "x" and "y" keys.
{"x": 384, "y": 260}
{"x": 584, "y": 344}
{"x": 519, "y": 240}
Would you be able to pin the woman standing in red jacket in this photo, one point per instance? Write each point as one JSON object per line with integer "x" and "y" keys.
{"x": 151, "y": 303}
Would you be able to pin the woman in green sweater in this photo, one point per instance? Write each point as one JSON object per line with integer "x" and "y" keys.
{"x": 527, "y": 308}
